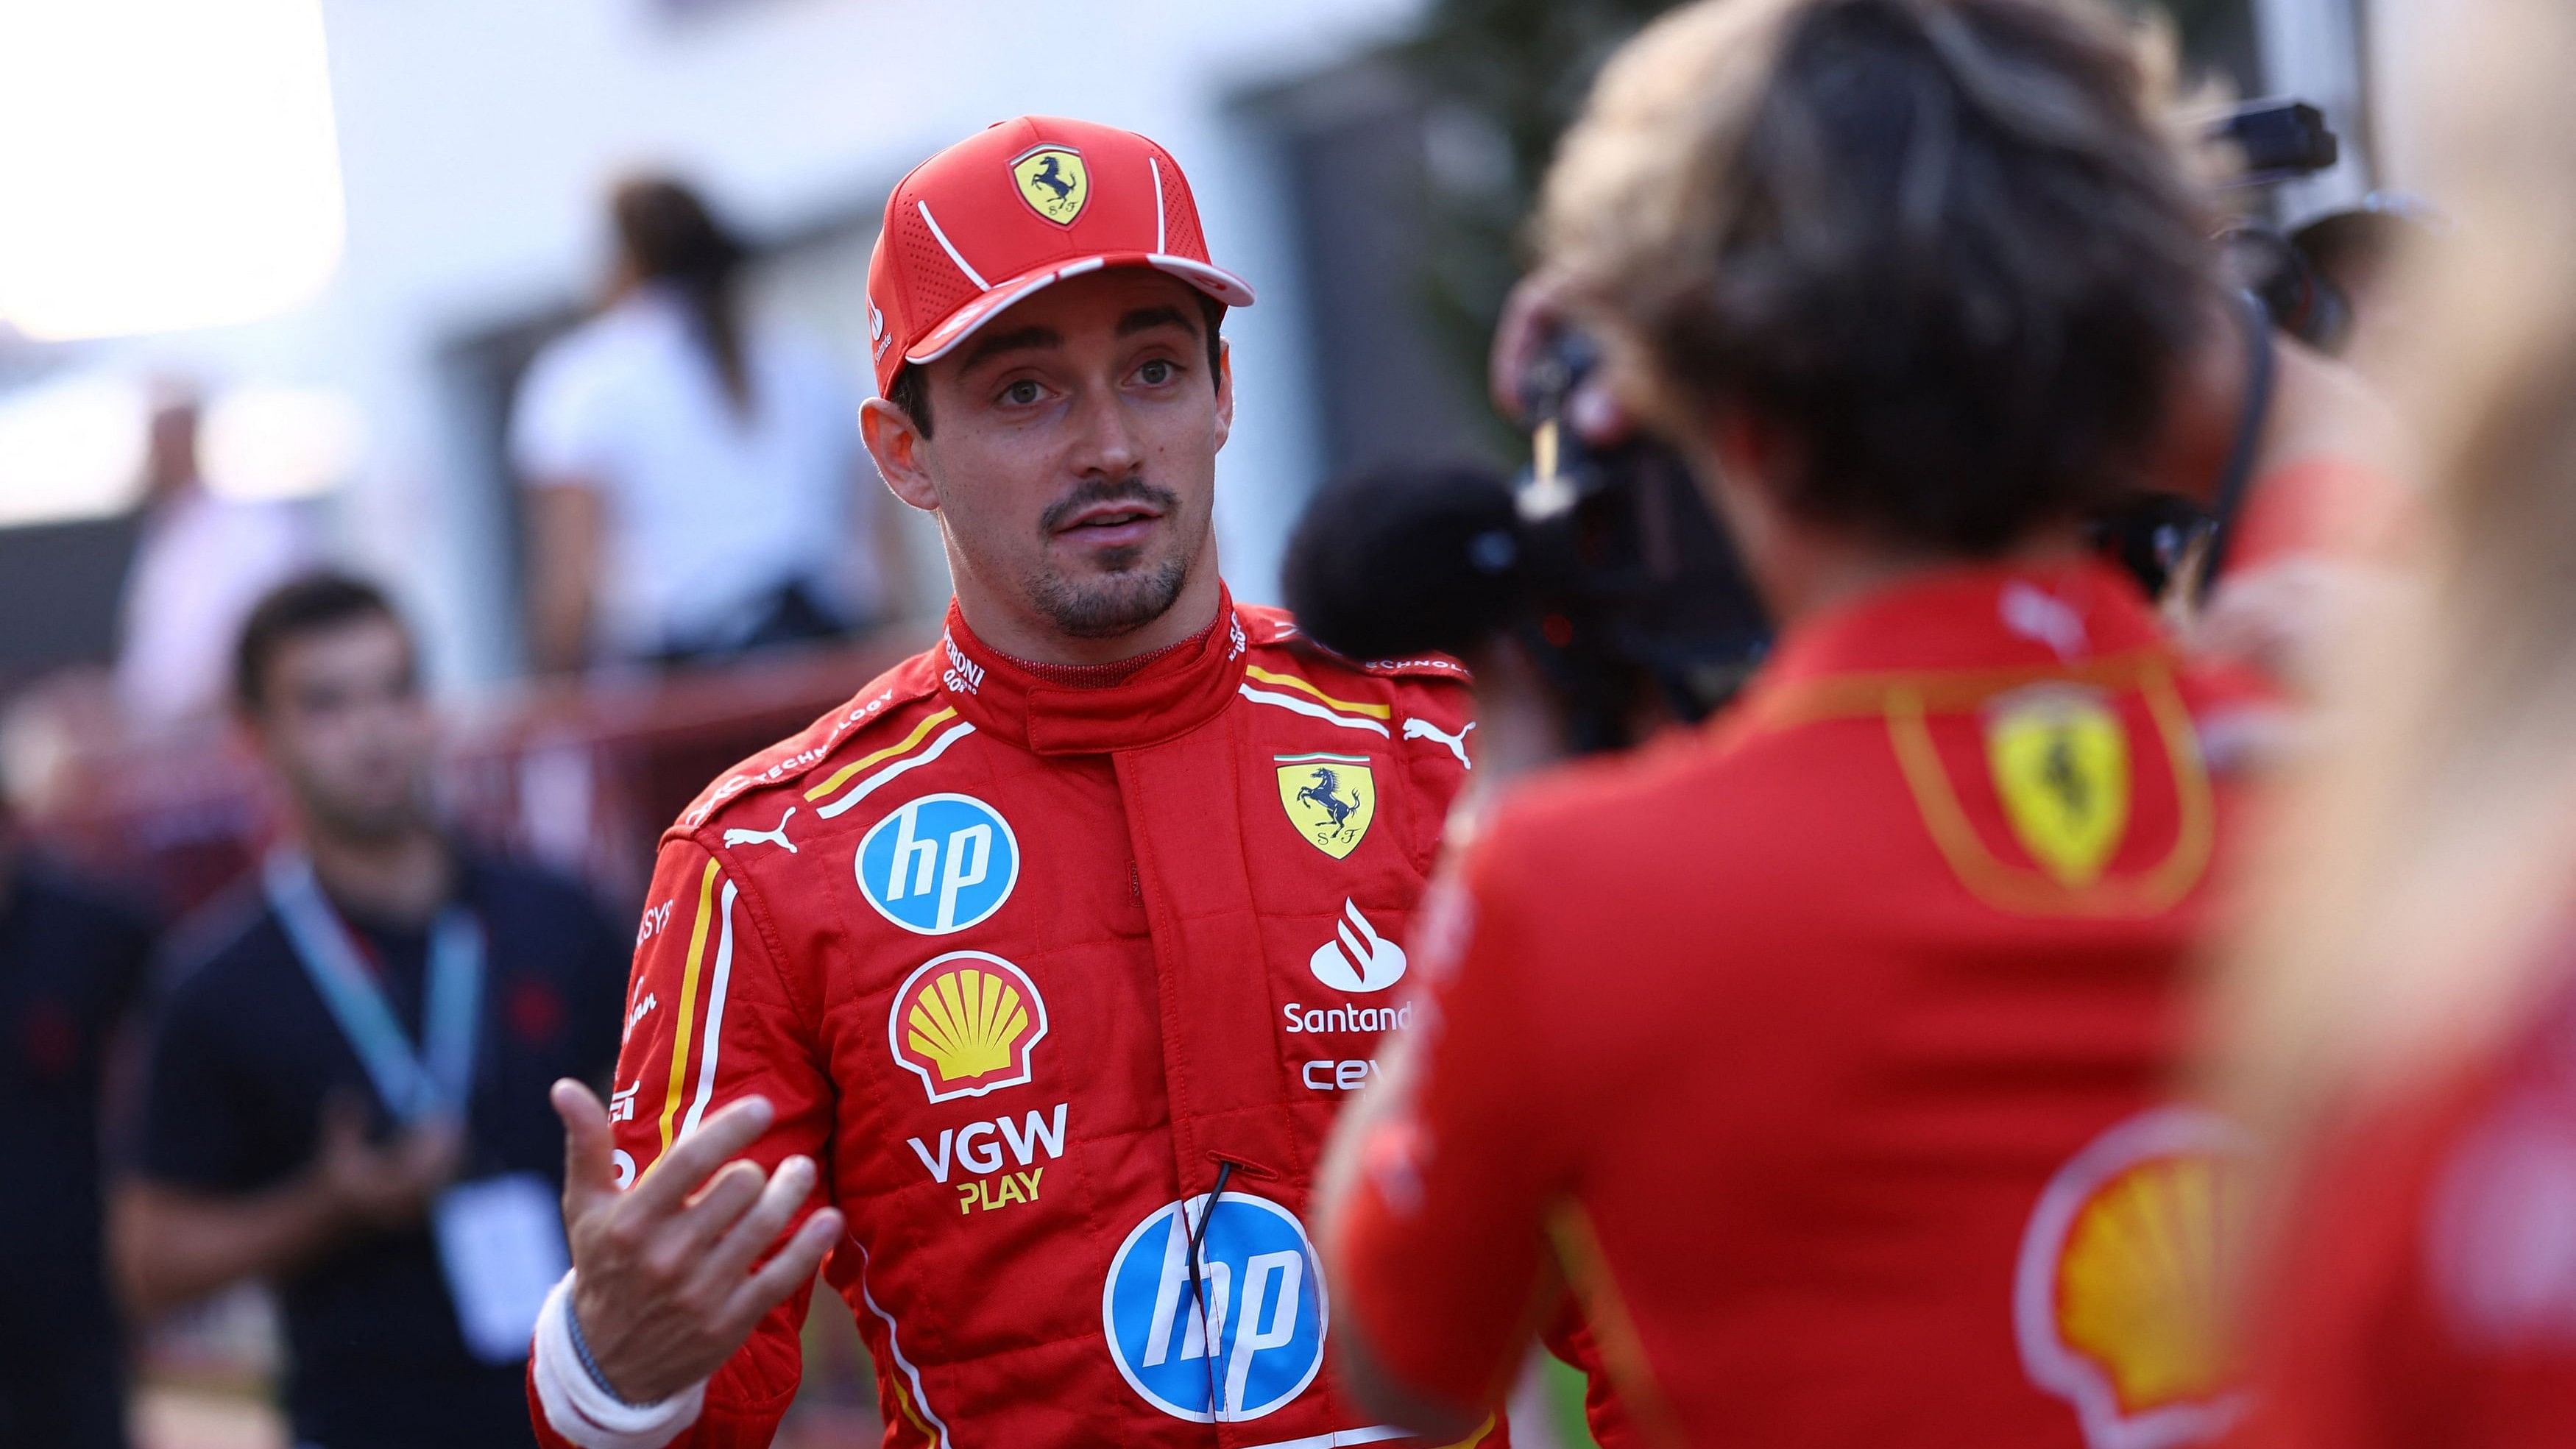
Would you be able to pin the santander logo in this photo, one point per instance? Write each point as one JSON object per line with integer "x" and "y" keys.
{"x": 1357, "y": 959}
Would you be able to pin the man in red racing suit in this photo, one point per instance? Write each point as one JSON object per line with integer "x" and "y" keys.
{"x": 1030, "y": 989}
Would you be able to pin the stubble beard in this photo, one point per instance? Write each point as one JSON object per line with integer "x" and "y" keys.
{"x": 1130, "y": 590}
{"x": 1118, "y": 601}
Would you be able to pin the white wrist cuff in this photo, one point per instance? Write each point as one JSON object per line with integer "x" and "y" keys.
{"x": 581, "y": 1409}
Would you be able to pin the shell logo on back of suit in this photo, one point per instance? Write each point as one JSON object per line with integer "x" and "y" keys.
{"x": 2122, "y": 1288}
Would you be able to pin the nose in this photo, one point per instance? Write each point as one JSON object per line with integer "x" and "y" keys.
{"x": 1105, "y": 440}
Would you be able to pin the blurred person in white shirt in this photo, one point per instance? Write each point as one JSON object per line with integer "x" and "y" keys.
{"x": 200, "y": 565}
{"x": 695, "y": 482}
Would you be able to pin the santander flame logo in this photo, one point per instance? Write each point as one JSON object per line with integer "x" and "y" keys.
{"x": 1357, "y": 959}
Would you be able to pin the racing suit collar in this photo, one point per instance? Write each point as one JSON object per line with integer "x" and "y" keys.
{"x": 1174, "y": 692}
{"x": 1975, "y": 616}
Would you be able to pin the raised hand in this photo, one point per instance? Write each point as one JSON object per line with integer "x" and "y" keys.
{"x": 664, "y": 1287}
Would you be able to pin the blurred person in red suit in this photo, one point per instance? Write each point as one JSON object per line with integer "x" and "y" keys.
{"x": 2403, "y": 1020}
{"x": 1826, "y": 1053}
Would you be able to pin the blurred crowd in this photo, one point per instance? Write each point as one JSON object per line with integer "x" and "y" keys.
{"x": 696, "y": 501}
{"x": 2012, "y": 887}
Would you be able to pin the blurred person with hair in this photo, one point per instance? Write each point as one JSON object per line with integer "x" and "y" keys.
{"x": 72, "y": 960}
{"x": 1019, "y": 992}
{"x": 200, "y": 565}
{"x": 2401, "y": 1020}
{"x": 349, "y": 1062}
{"x": 694, "y": 484}
{"x": 1825, "y": 1054}
{"x": 2323, "y": 471}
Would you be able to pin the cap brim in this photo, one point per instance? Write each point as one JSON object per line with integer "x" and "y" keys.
{"x": 961, "y": 324}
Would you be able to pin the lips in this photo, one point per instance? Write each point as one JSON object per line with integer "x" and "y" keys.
{"x": 1106, "y": 517}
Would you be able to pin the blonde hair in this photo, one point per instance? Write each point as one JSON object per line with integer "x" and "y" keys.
{"x": 1946, "y": 248}
{"x": 2427, "y": 863}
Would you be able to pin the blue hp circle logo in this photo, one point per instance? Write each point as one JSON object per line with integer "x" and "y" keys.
{"x": 1259, "y": 1283}
{"x": 939, "y": 864}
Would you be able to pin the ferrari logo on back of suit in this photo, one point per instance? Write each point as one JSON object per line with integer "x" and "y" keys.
{"x": 1053, "y": 182}
{"x": 1329, "y": 798}
{"x": 2061, "y": 764}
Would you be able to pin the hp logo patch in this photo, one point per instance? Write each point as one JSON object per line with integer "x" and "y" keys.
{"x": 1262, "y": 1287}
{"x": 939, "y": 864}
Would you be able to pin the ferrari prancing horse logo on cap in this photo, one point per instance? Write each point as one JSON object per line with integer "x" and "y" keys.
{"x": 1053, "y": 182}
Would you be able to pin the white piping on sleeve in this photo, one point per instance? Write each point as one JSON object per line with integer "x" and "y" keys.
{"x": 1315, "y": 711}
{"x": 949, "y": 247}
{"x": 867, "y": 787}
{"x": 715, "y": 1017}
{"x": 920, "y": 1400}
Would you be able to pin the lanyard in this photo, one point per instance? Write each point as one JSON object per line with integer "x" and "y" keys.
{"x": 432, "y": 1082}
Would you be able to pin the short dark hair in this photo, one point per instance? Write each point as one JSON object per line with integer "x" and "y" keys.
{"x": 313, "y": 604}
{"x": 1946, "y": 247}
{"x": 910, "y": 389}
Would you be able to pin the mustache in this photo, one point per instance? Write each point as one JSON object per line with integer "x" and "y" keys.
{"x": 1130, "y": 489}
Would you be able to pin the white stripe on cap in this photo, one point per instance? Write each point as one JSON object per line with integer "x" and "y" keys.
{"x": 950, "y": 247}
{"x": 1157, "y": 163}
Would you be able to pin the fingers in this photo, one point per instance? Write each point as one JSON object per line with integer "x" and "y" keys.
{"x": 709, "y": 1215}
{"x": 759, "y": 1227}
{"x": 667, "y": 1184}
{"x": 793, "y": 1268}
{"x": 590, "y": 1174}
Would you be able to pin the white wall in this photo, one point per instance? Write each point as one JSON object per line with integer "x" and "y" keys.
{"x": 475, "y": 135}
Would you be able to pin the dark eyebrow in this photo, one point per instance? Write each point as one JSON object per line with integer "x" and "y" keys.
{"x": 1025, "y": 339}
{"x": 1146, "y": 319}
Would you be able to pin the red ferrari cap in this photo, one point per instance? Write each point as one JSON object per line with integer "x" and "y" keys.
{"x": 1023, "y": 203}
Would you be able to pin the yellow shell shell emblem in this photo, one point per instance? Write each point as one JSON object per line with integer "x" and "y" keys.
{"x": 2061, "y": 765}
{"x": 1329, "y": 798}
{"x": 966, "y": 1024}
{"x": 2126, "y": 1269}
{"x": 1054, "y": 182}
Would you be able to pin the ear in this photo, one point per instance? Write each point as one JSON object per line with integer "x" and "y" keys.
{"x": 1224, "y": 391}
{"x": 897, "y": 446}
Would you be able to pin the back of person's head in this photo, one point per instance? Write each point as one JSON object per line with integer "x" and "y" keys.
{"x": 1405, "y": 560}
{"x": 669, "y": 237}
{"x": 1944, "y": 250}
{"x": 2427, "y": 889}
{"x": 299, "y": 609}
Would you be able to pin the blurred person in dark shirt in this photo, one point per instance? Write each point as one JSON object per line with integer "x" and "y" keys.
{"x": 72, "y": 957}
{"x": 349, "y": 1063}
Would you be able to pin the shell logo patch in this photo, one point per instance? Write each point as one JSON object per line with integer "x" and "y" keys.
{"x": 2060, "y": 762}
{"x": 1331, "y": 799}
{"x": 1053, "y": 181}
{"x": 2121, "y": 1297}
{"x": 966, "y": 1023}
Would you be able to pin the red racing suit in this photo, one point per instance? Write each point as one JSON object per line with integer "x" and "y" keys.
{"x": 1029, "y": 961}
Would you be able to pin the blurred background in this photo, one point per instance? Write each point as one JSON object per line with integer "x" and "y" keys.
{"x": 273, "y": 272}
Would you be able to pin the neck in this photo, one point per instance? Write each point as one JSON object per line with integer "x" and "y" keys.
{"x": 1025, "y": 635}
{"x": 1837, "y": 571}
{"x": 403, "y": 877}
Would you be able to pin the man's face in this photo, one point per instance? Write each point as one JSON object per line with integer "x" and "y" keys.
{"x": 341, "y": 720}
{"x": 1073, "y": 455}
